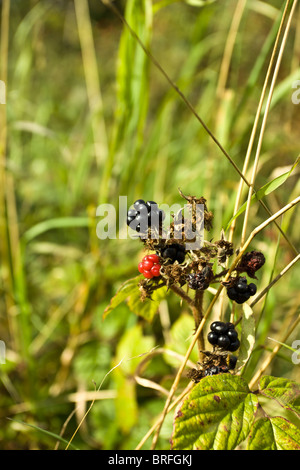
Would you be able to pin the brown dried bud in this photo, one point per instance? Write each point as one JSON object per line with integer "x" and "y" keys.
{"x": 225, "y": 249}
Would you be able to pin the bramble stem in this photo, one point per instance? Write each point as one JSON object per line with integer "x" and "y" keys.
{"x": 181, "y": 293}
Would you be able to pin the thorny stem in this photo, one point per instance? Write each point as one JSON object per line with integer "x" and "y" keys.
{"x": 181, "y": 293}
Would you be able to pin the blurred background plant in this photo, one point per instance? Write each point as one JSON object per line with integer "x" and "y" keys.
{"x": 89, "y": 118}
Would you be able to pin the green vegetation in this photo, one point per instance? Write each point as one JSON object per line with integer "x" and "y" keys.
{"x": 90, "y": 117}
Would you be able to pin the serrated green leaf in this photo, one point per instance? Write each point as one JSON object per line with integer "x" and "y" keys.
{"x": 265, "y": 190}
{"x": 148, "y": 307}
{"x": 129, "y": 291}
{"x": 216, "y": 415}
{"x": 247, "y": 336}
{"x": 122, "y": 294}
{"x": 274, "y": 434}
{"x": 285, "y": 392}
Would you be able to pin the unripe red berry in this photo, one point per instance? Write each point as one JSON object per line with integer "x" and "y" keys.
{"x": 150, "y": 266}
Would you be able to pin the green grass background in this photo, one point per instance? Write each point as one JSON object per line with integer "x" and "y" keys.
{"x": 88, "y": 121}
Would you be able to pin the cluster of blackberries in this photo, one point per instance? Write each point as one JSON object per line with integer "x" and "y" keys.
{"x": 174, "y": 252}
{"x": 223, "y": 335}
{"x": 241, "y": 291}
{"x": 145, "y": 215}
{"x": 201, "y": 279}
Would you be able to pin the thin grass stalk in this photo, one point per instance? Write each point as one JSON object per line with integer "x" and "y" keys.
{"x": 229, "y": 46}
{"x": 256, "y": 120}
{"x": 6, "y": 266}
{"x": 265, "y": 117}
{"x": 93, "y": 87}
{"x": 276, "y": 279}
{"x": 273, "y": 354}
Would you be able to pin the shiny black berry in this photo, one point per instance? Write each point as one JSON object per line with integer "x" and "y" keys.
{"x": 232, "y": 335}
{"x": 252, "y": 288}
{"x": 223, "y": 341}
{"x": 219, "y": 327}
{"x": 234, "y": 345}
{"x": 139, "y": 202}
{"x": 241, "y": 286}
{"x": 212, "y": 337}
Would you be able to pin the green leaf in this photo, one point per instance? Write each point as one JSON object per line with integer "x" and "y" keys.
{"x": 217, "y": 414}
{"x": 148, "y": 307}
{"x": 285, "y": 392}
{"x": 122, "y": 294}
{"x": 58, "y": 223}
{"x": 130, "y": 292}
{"x": 247, "y": 336}
{"x": 265, "y": 190}
{"x": 274, "y": 434}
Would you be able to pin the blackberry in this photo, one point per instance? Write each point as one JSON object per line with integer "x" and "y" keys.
{"x": 144, "y": 215}
{"x": 240, "y": 292}
{"x": 174, "y": 252}
{"x": 223, "y": 335}
{"x": 201, "y": 279}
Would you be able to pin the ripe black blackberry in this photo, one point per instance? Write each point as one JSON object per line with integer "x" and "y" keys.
{"x": 145, "y": 215}
{"x": 223, "y": 335}
{"x": 240, "y": 292}
{"x": 174, "y": 252}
